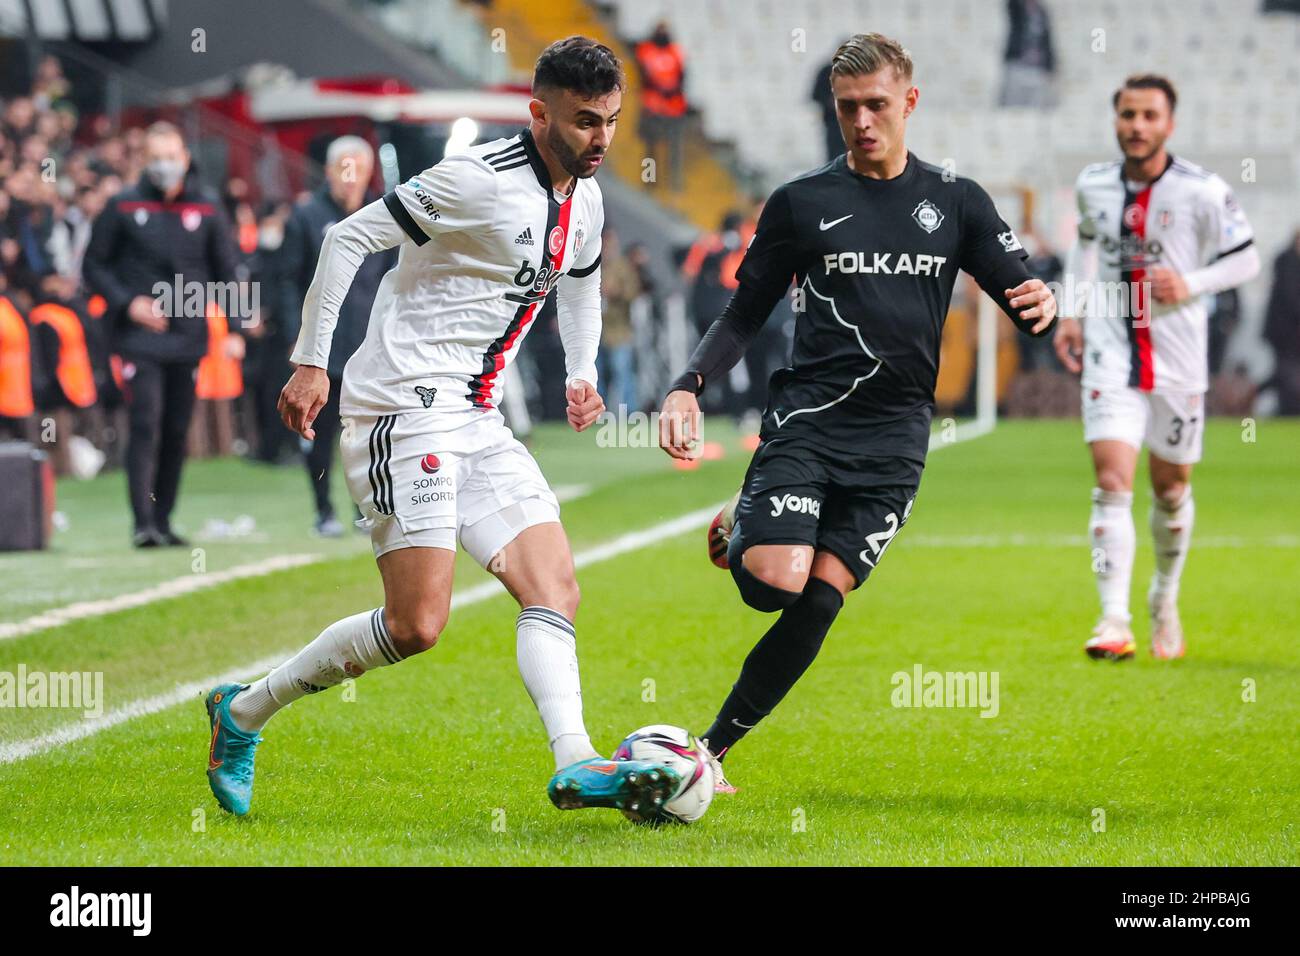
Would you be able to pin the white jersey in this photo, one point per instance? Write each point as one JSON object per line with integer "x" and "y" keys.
{"x": 1185, "y": 219}
{"x": 489, "y": 242}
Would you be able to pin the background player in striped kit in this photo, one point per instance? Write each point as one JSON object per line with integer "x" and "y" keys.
{"x": 1165, "y": 234}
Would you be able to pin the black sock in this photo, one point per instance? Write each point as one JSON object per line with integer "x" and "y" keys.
{"x": 777, "y": 661}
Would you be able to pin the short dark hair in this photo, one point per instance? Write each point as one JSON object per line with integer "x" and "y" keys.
{"x": 1148, "y": 81}
{"x": 579, "y": 64}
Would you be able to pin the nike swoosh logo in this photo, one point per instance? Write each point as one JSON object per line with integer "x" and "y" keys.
{"x": 826, "y": 225}
{"x": 743, "y": 726}
{"x": 608, "y": 769}
{"x": 213, "y": 763}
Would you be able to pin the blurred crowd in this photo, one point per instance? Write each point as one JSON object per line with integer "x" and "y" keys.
{"x": 57, "y": 175}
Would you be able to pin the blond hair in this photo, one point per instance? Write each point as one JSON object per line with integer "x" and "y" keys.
{"x": 865, "y": 53}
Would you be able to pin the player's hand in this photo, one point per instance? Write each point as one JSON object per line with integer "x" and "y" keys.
{"x": 1036, "y": 301}
{"x": 585, "y": 405}
{"x": 142, "y": 311}
{"x": 1069, "y": 344}
{"x": 302, "y": 398}
{"x": 679, "y": 425}
{"x": 1167, "y": 285}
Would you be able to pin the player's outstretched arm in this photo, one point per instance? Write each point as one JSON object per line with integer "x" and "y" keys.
{"x": 585, "y": 404}
{"x": 370, "y": 229}
{"x": 679, "y": 424}
{"x": 1036, "y": 306}
{"x": 302, "y": 398}
{"x": 721, "y": 348}
{"x": 1235, "y": 263}
{"x": 993, "y": 255}
{"x": 1226, "y": 272}
{"x": 1068, "y": 343}
{"x": 773, "y": 256}
{"x": 577, "y": 311}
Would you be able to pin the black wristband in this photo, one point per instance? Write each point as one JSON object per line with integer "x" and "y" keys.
{"x": 688, "y": 381}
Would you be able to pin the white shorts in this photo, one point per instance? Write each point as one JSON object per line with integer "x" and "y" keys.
{"x": 1170, "y": 423}
{"x": 421, "y": 479}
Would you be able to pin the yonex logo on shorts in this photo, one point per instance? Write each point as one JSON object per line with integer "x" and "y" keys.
{"x": 795, "y": 504}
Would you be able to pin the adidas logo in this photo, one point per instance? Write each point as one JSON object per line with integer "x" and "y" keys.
{"x": 525, "y": 238}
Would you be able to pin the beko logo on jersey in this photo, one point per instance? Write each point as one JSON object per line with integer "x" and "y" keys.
{"x": 542, "y": 282}
{"x": 884, "y": 263}
{"x": 1132, "y": 250}
{"x": 795, "y": 504}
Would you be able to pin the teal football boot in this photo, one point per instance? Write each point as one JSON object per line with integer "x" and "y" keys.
{"x": 636, "y": 786}
{"x": 230, "y": 755}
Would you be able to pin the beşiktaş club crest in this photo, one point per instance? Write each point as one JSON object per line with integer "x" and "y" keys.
{"x": 191, "y": 219}
{"x": 927, "y": 215}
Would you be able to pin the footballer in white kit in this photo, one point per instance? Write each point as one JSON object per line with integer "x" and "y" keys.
{"x": 427, "y": 453}
{"x": 487, "y": 239}
{"x": 1157, "y": 236}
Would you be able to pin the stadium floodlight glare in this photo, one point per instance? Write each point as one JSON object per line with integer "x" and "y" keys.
{"x": 388, "y": 165}
{"x": 463, "y": 133}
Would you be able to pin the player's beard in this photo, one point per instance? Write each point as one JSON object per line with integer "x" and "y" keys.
{"x": 569, "y": 158}
{"x": 1152, "y": 147}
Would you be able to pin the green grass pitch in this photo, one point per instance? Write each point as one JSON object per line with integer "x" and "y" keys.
{"x": 441, "y": 760}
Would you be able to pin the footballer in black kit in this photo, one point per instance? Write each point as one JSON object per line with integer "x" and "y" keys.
{"x": 873, "y": 241}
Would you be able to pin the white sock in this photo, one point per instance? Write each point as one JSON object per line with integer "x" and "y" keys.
{"x": 547, "y": 651}
{"x": 347, "y": 648}
{"x": 1171, "y": 529}
{"x": 1113, "y": 542}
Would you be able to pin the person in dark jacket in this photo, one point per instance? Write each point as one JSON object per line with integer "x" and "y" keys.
{"x": 1282, "y": 327}
{"x": 1029, "y": 59}
{"x": 349, "y": 162}
{"x": 156, "y": 254}
{"x": 825, "y": 100}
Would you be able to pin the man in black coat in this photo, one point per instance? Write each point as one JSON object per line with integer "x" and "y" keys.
{"x": 156, "y": 255}
{"x": 1282, "y": 326}
{"x": 349, "y": 163}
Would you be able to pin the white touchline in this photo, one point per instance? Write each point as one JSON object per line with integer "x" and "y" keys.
{"x": 62, "y": 736}
{"x": 159, "y": 592}
{"x": 964, "y": 541}
{"x": 188, "y": 584}
{"x": 70, "y": 733}
{"x": 632, "y": 541}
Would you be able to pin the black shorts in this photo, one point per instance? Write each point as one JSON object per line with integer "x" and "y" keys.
{"x": 851, "y": 506}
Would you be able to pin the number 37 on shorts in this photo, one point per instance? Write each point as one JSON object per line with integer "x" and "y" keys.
{"x": 1171, "y": 424}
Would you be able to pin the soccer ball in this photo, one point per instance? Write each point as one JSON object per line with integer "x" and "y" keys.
{"x": 675, "y": 748}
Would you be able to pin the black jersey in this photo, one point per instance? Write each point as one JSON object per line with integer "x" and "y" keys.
{"x": 874, "y": 262}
